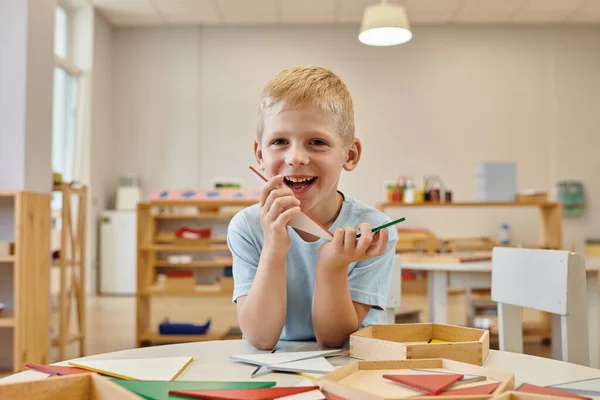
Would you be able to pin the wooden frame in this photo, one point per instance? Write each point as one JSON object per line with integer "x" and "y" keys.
{"x": 410, "y": 341}
{"x": 339, "y": 382}
{"x": 72, "y": 387}
{"x": 514, "y": 395}
{"x": 72, "y": 267}
{"x": 153, "y": 241}
{"x": 28, "y": 221}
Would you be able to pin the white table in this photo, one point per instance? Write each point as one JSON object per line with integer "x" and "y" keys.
{"x": 211, "y": 362}
{"x": 478, "y": 275}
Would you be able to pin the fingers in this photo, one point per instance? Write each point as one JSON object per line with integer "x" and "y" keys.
{"x": 285, "y": 217}
{"x": 379, "y": 244}
{"x": 270, "y": 185}
{"x": 279, "y": 199}
{"x": 338, "y": 237}
{"x": 366, "y": 238}
{"x": 349, "y": 240}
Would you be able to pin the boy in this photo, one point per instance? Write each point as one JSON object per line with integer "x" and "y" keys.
{"x": 290, "y": 285}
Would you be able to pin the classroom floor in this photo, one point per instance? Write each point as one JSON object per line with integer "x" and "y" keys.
{"x": 111, "y": 323}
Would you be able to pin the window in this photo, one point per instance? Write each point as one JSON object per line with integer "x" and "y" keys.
{"x": 65, "y": 105}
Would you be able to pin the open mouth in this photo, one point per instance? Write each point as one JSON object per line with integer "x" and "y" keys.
{"x": 300, "y": 184}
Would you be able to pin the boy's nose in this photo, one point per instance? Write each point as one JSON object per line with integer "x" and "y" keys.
{"x": 295, "y": 157}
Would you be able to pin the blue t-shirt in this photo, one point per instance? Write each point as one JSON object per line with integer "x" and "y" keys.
{"x": 369, "y": 280}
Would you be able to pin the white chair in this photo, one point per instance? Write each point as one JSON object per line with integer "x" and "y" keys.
{"x": 546, "y": 280}
{"x": 388, "y": 315}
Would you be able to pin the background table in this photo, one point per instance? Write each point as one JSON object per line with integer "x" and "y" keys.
{"x": 211, "y": 362}
{"x": 478, "y": 275}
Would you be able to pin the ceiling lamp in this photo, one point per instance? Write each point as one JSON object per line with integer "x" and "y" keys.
{"x": 384, "y": 25}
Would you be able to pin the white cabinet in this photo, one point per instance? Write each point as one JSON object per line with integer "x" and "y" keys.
{"x": 118, "y": 246}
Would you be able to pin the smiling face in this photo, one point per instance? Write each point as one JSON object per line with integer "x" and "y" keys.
{"x": 303, "y": 146}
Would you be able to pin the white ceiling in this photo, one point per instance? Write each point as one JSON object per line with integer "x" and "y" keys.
{"x": 262, "y": 12}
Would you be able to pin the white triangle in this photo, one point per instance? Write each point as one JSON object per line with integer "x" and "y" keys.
{"x": 283, "y": 357}
{"x": 310, "y": 366}
{"x": 147, "y": 369}
{"x": 302, "y": 222}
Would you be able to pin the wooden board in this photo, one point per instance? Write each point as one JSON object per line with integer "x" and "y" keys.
{"x": 364, "y": 379}
{"x": 411, "y": 341}
{"x": 449, "y": 258}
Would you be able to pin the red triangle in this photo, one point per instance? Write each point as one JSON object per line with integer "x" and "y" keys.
{"x": 528, "y": 388}
{"x": 57, "y": 370}
{"x": 432, "y": 384}
{"x": 242, "y": 394}
{"x": 481, "y": 389}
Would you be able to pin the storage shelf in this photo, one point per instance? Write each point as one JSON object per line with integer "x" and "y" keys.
{"x": 471, "y": 204}
{"x": 7, "y": 319}
{"x": 201, "y": 290}
{"x": 7, "y": 259}
{"x": 157, "y": 338}
{"x": 173, "y": 247}
{"x": 195, "y": 264}
{"x": 200, "y": 215}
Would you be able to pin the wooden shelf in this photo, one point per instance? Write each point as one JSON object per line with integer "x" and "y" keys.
{"x": 195, "y": 264}
{"x": 200, "y": 215}
{"x": 174, "y": 247}
{"x": 157, "y": 338}
{"x": 201, "y": 290}
{"x": 7, "y": 319}
{"x": 7, "y": 259}
{"x": 470, "y": 204}
{"x": 202, "y": 204}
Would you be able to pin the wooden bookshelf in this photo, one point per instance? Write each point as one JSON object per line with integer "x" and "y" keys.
{"x": 72, "y": 223}
{"x": 157, "y": 222}
{"x": 550, "y": 215}
{"x": 25, "y": 279}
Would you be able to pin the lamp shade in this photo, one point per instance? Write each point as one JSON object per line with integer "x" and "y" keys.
{"x": 384, "y": 25}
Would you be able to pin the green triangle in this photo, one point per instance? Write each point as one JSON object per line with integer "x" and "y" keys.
{"x": 159, "y": 390}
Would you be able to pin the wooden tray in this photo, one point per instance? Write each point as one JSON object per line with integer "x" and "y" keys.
{"x": 71, "y": 387}
{"x": 411, "y": 341}
{"x": 513, "y": 395}
{"x": 364, "y": 379}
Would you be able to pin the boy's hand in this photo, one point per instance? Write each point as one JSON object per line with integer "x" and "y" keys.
{"x": 278, "y": 206}
{"x": 345, "y": 248}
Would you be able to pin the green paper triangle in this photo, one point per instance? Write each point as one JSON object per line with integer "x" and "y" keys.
{"x": 159, "y": 390}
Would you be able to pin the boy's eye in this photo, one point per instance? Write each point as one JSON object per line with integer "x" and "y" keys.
{"x": 278, "y": 142}
{"x": 318, "y": 142}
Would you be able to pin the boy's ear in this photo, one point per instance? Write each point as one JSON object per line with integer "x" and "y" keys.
{"x": 258, "y": 155}
{"x": 353, "y": 155}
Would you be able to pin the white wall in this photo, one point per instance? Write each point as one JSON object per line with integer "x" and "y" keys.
{"x": 185, "y": 109}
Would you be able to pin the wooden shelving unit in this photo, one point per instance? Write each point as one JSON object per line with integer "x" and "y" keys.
{"x": 71, "y": 264}
{"x": 157, "y": 223}
{"x": 24, "y": 279}
{"x": 550, "y": 214}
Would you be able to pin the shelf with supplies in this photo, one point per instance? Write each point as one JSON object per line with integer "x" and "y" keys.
{"x": 24, "y": 279}
{"x": 550, "y": 215}
{"x": 182, "y": 253}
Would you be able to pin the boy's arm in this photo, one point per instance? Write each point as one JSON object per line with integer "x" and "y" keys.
{"x": 339, "y": 307}
{"x": 262, "y": 312}
{"x": 260, "y": 287}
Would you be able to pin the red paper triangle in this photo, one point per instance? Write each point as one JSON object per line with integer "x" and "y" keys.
{"x": 243, "y": 394}
{"x": 528, "y": 388}
{"x": 481, "y": 389}
{"x": 57, "y": 370}
{"x": 432, "y": 384}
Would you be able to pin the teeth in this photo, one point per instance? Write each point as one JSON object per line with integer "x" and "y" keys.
{"x": 296, "y": 180}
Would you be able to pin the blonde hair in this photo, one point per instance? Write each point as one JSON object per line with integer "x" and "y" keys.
{"x": 310, "y": 86}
